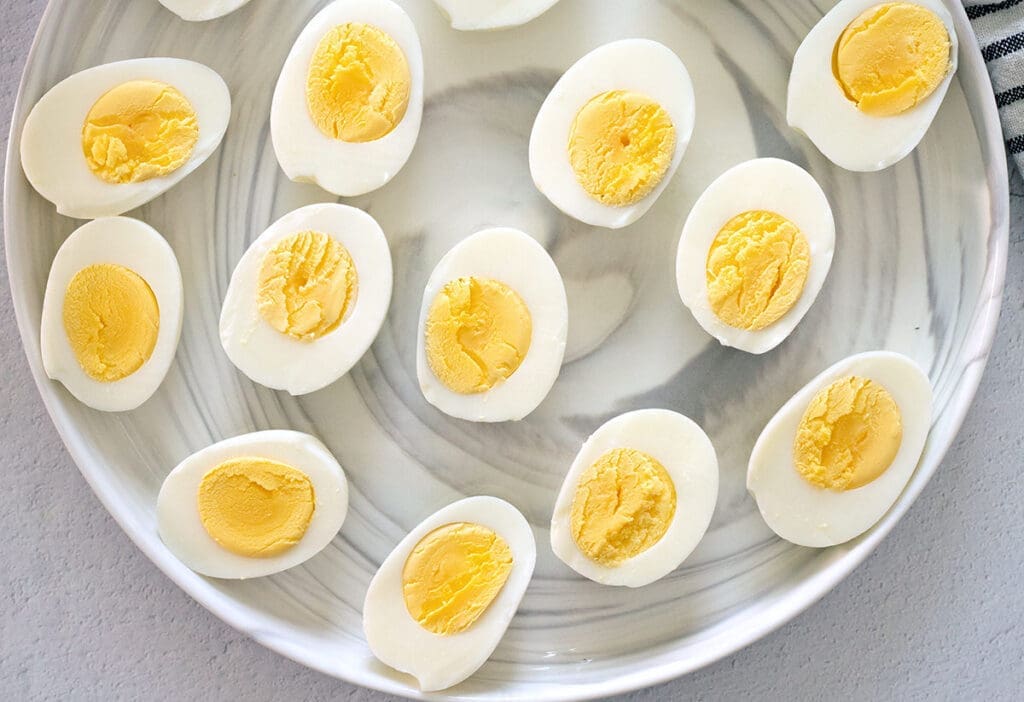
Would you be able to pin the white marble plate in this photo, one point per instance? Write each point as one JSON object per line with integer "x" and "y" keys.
{"x": 918, "y": 268}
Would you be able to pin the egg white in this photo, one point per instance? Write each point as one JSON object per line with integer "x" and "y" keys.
{"x": 282, "y": 362}
{"x": 517, "y": 260}
{"x": 761, "y": 184}
{"x": 202, "y": 10}
{"x": 810, "y": 516}
{"x": 638, "y": 65}
{"x": 468, "y": 15}
{"x": 438, "y": 662}
{"x": 51, "y": 143}
{"x": 308, "y": 155}
{"x": 140, "y": 248}
{"x": 818, "y": 107}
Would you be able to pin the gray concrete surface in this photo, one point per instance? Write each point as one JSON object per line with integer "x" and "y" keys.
{"x": 935, "y": 613}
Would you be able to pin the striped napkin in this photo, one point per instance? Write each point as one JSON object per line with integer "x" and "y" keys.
{"x": 1000, "y": 30}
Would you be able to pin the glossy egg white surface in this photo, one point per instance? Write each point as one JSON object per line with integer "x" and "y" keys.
{"x": 761, "y": 184}
{"x": 492, "y": 14}
{"x": 818, "y": 107}
{"x": 282, "y": 362}
{"x": 686, "y": 452}
{"x": 137, "y": 246}
{"x": 516, "y": 259}
{"x": 638, "y": 65}
{"x": 51, "y": 143}
{"x": 306, "y": 154}
{"x": 810, "y": 516}
{"x": 439, "y": 662}
{"x": 183, "y": 532}
{"x": 202, "y": 10}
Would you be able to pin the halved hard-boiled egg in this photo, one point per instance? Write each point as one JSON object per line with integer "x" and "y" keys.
{"x": 442, "y": 600}
{"x": 112, "y": 313}
{"x": 113, "y": 137}
{"x": 308, "y": 298}
{"x": 492, "y": 14}
{"x": 755, "y": 250}
{"x": 869, "y": 77}
{"x": 202, "y": 10}
{"x": 347, "y": 108}
{"x": 833, "y": 459}
{"x": 637, "y": 499}
{"x": 611, "y": 133}
{"x": 493, "y": 328}
{"x": 253, "y": 505}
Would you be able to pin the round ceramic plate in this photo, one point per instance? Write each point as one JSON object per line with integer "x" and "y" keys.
{"x": 918, "y": 269}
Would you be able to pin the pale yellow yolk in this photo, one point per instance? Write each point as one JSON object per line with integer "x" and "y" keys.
{"x": 112, "y": 321}
{"x": 478, "y": 333}
{"x": 359, "y": 83}
{"x": 307, "y": 283}
{"x": 892, "y": 57}
{"x": 756, "y": 270}
{"x": 453, "y": 575}
{"x": 849, "y": 435}
{"x": 139, "y": 130}
{"x": 621, "y": 145}
{"x": 624, "y": 504}
{"x": 256, "y": 507}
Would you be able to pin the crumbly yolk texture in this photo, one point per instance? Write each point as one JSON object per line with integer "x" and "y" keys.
{"x": 478, "y": 333}
{"x": 892, "y": 57}
{"x": 624, "y": 504}
{"x": 453, "y": 575}
{"x": 849, "y": 435}
{"x": 112, "y": 320}
{"x": 756, "y": 269}
{"x": 139, "y": 130}
{"x": 256, "y": 507}
{"x": 621, "y": 145}
{"x": 358, "y": 85}
{"x": 307, "y": 283}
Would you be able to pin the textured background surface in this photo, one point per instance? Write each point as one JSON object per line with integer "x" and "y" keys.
{"x": 935, "y": 610}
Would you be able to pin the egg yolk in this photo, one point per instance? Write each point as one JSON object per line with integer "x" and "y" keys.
{"x": 621, "y": 145}
{"x": 112, "y": 320}
{"x": 478, "y": 333}
{"x": 453, "y": 575}
{"x": 139, "y": 130}
{"x": 849, "y": 435}
{"x": 892, "y": 57}
{"x": 307, "y": 283}
{"x": 756, "y": 269}
{"x": 624, "y": 504}
{"x": 358, "y": 85}
{"x": 256, "y": 507}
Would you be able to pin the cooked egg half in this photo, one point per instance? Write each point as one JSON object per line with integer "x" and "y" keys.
{"x": 112, "y": 313}
{"x": 755, "y": 250}
{"x": 202, "y": 10}
{"x": 347, "y": 108}
{"x": 611, "y": 133}
{"x": 869, "y": 77}
{"x": 834, "y": 459}
{"x": 113, "y": 137}
{"x": 492, "y": 14}
{"x": 442, "y": 600}
{"x": 493, "y": 328}
{"x": 307, "y": 298}
{"x": 637, "y": 499}
{"x": 253, "y": 505}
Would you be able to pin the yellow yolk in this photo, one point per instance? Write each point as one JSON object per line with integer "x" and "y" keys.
{"x": 624, "y": 504}
{"x": 621, "y": 145}
{"x": 849, "y": 435}
{"x": 139, "y": 130}
{"x": 453, "y": 575}
{"x": 359, "y": 83}
{"x": 478, "y": 333}
{"x": 307, "y": 283}
{"x": 112, "y": 320}
{"x": 256, "y": 507}
{"x": 756, "y": 270}
{"x": 892, "y": 57}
